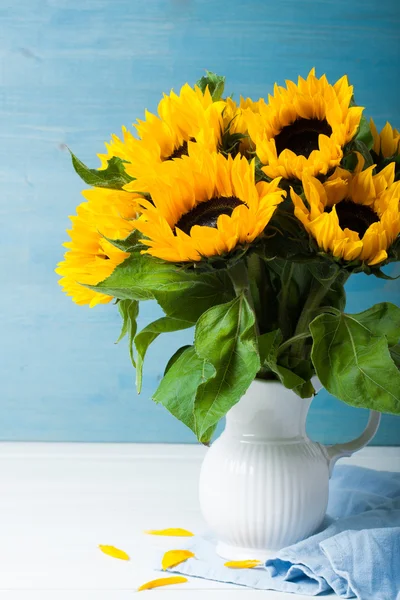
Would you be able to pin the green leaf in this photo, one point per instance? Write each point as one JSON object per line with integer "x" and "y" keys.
{"x": 149, "y": 334}
{"x": 364, "y": 133}
{"x": 356, "y": 145}
{"x": 114, "y": 177}
{"x": 395, "y": 354}
{"x": 225, "y": 337}
{"x": 129, "y": 244}
{"x": 175, "y": 357}
{"x": 379, "y": 274}
{"x": 325, "y": 272}
{"x": 381, "y": 319}
{"x": 181, "y": 293}
{"x": 215, "y": 83}
{"x": 268, "y": 346}
{"x": 294, "y": 382}
{"x": 336, "y": 296}
{"x": 178, "y": 388}
{"x": 129, "y": 310}
{"x": 349, "y": 161}
{"x": 132, "y": 279}
{"x": 352, "y": 359}
{"x": 197, "y": 293}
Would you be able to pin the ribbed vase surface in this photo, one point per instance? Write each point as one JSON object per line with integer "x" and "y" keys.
{"x": 263, "y": 483}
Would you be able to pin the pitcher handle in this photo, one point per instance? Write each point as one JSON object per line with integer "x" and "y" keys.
{"x": 348, "y": 448}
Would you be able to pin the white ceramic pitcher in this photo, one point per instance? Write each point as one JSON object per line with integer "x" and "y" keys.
{"x": 263, "y": 482}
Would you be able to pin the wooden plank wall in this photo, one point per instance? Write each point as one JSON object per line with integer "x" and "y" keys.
{"x": 72, "y": 72}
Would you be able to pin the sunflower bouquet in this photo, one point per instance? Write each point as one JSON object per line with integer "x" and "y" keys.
{"x": 245, "y": 220}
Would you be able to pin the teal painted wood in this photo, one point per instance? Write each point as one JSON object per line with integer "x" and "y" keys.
{"x": 71, "y": 73}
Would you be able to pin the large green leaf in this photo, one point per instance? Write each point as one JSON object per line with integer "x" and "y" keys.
{"x": 178, "y": 388}
{"x": 114, "y": 177}
{"x": 129, "y": 310}
{"x": 134, "y": 278}
{"x": 215, "y": 83}
{"x": 225, "y": 337}
{"x": 175, "y": 357}
{"x": 381, "y": 319}
{"x": 352, "y": 358}
{"x": 181, "y": 293}
{"x": 198, "y": 293}
{"x": 395, "y": 354}
{"x": 149, "y": 334}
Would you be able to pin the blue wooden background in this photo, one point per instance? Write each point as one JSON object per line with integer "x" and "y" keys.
{"x": 72, "y": 72}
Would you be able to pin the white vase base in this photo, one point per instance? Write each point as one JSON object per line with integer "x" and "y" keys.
{"x": 240, "y": 553}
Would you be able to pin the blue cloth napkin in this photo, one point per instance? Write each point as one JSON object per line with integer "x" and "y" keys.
{"x": 356, "y": 555}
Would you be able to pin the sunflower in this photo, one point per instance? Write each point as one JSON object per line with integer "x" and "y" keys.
{"x": 304, "y": 126}
{"x": 91, "y": 258}
{"x": 353, "y": 216}
{"x": 191, "y": 115}
{"x": 387, "y": 142}
{"x": 205, "y": 205}
{"x": 236, "y": 120}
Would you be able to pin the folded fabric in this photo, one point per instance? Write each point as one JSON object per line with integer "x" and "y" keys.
{"x": 356, "y": 555}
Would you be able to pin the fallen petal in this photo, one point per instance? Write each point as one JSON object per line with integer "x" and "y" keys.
{"x": 172, "y": 558}
{"x": 172, "y": 532}
{"x": 114, "y": 552}
{"x": 242, "y": 564}
{"x": 160, "y": 582}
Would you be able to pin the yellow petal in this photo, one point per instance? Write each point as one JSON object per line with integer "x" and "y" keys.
{"x": 171, "y": 532}
{"x": 172, "y": 558}
{"x": 114, "y": 552}
{"x": 382, "y": 255}
{"x": 388, "y": 145}
{"x": 242, "y": 564}
{"x": 160, "y": 582}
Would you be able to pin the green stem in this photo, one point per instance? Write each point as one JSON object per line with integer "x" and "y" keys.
{"x": 328, "y": 309}
{"x": 239, "y": 276}
{"x": 292, "y": 340}
{"x": 286, "y": 279}
{"x": 257, "y": 283}
{"x": 317, "y": 293}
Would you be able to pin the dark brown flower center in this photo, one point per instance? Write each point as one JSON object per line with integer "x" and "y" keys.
{"x": 301, "y": 137}
{"x": 182, "y": 150}
{"x": 356, "y": 217}
{"x": 206, "y": 213}
{"x": 179, "y": 152}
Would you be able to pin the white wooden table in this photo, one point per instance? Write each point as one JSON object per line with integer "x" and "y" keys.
{"x": 59, "y": 501}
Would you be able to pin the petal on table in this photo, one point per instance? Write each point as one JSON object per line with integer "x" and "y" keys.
{"x": 160, "y": 582}
{"x": 177, "y": 532}
{"x": 114, "y": 552}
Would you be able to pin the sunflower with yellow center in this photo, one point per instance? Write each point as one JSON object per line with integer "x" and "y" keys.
{"x": 387, "y": 142}
{"x": 189, "y": 116}
{"x": 352, "y": 216}
{"x": 205, "y": 205}
{"x": 91, "y": 258}
{"x": 304, "y": 127}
